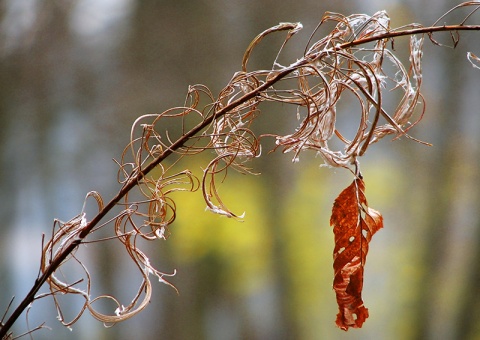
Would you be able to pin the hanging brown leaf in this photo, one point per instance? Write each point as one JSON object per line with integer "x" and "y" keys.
{"x": 354, "y": 224}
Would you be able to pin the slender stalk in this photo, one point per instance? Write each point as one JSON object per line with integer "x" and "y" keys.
{"x": 55, "y": 264}
{"x": 413, "y": 31}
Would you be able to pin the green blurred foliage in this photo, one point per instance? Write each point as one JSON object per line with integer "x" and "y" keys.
{"x": 243, "y": 249}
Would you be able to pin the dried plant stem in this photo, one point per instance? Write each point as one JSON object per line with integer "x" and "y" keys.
{"x": 140, "y": 174}
{"x": 57, "y": 261}
{"x": 413, "y": 31}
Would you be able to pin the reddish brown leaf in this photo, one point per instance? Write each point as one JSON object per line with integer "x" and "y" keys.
{"x": 354, "y": 224}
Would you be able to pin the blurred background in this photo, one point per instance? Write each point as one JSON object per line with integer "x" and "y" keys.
{"x": 75, "y": 74}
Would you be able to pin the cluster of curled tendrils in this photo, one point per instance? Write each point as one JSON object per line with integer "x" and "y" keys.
{"x": 355, "y": 59}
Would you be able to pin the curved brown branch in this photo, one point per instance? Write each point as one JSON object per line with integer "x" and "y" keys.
{"x": 334, "y": 64}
